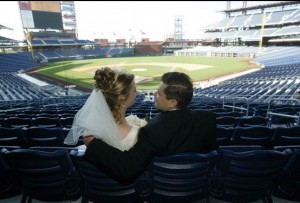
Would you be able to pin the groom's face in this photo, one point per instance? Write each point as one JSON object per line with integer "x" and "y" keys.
{"x": 160, "y": 100}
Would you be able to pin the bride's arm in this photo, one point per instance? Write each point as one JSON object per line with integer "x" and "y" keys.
{"x": 124, "y": 166}
{"x": 88, "y": 139}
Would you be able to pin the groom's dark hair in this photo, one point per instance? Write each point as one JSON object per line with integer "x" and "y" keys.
{"x": 180, "y": 88}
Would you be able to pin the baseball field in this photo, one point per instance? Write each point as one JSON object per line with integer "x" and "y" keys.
{"x": 147, "y": 70}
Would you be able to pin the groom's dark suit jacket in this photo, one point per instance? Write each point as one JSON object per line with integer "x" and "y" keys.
{"x": 168, "y": 133}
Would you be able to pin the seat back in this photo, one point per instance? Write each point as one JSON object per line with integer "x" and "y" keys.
{"x": 66, "y": 122}
{"x": 44, "y": 175}
{"x": 247, "y": 176}
{"x": 253, "y": 121}
{"x": 8, "y": 186}
{"x": 281, "y": 120}
{"x": 284, "y": 147}
{"x": 224, "y": 135}
{"x": 234, "y": 114}
{"x": 227, "y": 121}
{"x": 12, "y": 137}
{"x": 286, "y": 136}
{"x": 255, "y": 135}
{"x": 18, "y": 122}
{"x": 97, "y": 186}
{"x": 181, "y": 177}
{"x": 43, "y": 136}
{"x": 3, "y": 122}
{"x": 289, "y": 181}
{"x": 46, "y": 122}
{"x": 241, "y": 148}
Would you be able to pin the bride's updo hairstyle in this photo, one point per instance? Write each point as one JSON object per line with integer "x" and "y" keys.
{"x": 113, "y": 83}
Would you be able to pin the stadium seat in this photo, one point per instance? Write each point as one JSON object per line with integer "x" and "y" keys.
{"x": 18, "y": 122}
{"x": 181, "y": 177}
{"x": 253, "y": 121}
{"x": 247, "y": 176}
{"x": 97, "y": 186}
{"x": 280, "y": 120}
{"x": 46, "y": 122}
{"x": 8, "y": 186}
{"x": 43, "y": 136}
{"x": 66, "y": 122}
{"x": 255, "y": 135}
{"x": 227, "y": 121}
{"x": 288, "y": 186}
{"x": 241, "y": 148}
{"x": 12, "y": 137}
{"x": 286, "y": 136}
{"x": 224, "y": 135}
{"x": 234, "y": 114}
{"x": 44, "y": 175}
{"x": 2, "y": 122}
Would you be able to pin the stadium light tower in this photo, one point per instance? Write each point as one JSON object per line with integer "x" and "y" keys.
{"x": 262, "y": 32}
{"x": 244, "y": 6}
{"x": 178, "y": 28}
{"x": 131, "y": 35}
{"x": 228, "y": 5}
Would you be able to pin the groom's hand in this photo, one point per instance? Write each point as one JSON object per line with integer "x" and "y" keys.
{"x": 88, "y": 139}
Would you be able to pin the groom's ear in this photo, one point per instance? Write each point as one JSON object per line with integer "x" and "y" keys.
{"x": 172, "y": 103}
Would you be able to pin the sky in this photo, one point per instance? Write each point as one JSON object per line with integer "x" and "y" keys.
{"x": 131, "y": 19}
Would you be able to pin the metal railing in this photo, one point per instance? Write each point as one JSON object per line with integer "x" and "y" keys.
{"x": 295, "y": 101}
{"x": 235, "y": 99}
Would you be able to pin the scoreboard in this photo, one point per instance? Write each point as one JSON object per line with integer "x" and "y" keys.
{"x": 56, "y": 15}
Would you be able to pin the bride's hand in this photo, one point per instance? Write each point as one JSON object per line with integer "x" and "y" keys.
{"x": 88, "y": 139}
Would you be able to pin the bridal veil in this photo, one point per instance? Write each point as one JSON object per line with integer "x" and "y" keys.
{"x": 96, "y": 119}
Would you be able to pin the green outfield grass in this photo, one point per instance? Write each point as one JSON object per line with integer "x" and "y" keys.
{"x": 81, "y": 72}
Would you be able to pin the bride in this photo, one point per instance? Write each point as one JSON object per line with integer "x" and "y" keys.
{"x": 103, "y": 114}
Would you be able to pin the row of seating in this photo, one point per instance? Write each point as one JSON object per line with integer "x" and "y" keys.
{"x": 34, "y": 115}
{"x": 278, "y": 81}
{"x": 258, "y": 135}
{"x": 232, "y": 121}
{"x": 34, "y": 136}
{"x": 254, "y": 135}
{"x": 15, "y": 88}
{"x": 12, "y": 122}
{"x": 61, "y": 174}
{"x": 66, "y": 120}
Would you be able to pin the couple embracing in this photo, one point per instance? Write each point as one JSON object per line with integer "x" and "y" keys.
{"x": 123, "y": 149}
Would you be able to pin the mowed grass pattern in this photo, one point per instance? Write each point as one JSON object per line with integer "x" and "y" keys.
{"x": 153, "y": 67}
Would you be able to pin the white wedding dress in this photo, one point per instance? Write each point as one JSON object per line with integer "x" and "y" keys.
{"x": 128, "y": 141}
{"x": 96, "y": 119}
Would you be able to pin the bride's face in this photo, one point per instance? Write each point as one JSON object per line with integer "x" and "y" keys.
{"x": 131, "y": 96}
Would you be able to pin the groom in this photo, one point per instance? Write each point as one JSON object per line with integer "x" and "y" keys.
{"x": 177, "y": 129}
